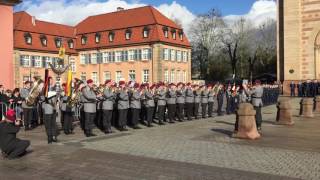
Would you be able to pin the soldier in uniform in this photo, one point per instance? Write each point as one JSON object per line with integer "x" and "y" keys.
{"x": 171, "y": 102}
{"x": 90, "y": 109}
{"x": 123, "y": 106}
{"x": 27, "y": 110}
{"x": 149, "y": 103}
{"x": 197, "y": 100}
{"x": 108, "y": 100}
{"x": 180, "y": 101}
{"x": 189, "y": 101}
{"x": 135, "y": 105}
{"x": 49, "y": 110}
{"x": 256, "y": 94}
{"x": 220, "y": 97}
{"x": 204, "y": 101}
{"x": 210, "y": 100}
{"x": 161, "y": 96}
{"x": 292, "y": 89}
{"x": 229, "y": 99}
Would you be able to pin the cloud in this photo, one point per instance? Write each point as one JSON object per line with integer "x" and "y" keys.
{"x": 72, "y": 12}
{"x": 261, "y": 11}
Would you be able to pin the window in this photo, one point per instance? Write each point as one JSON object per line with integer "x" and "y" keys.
{"x": 82, "y": 59}
{"x": 70, "y": 44}
{"x": 111, "y": 56}
{"x": 46, "y": 61}
{"x": 146, "y": 54}
{"x": 179, "y": 56}
{"x": 166, "y": 54}
{"x": 84, "y": 40}
{"x": 174, "y": 34}
{"x": 184, "y": 56}
{"x": 145, "y": 76}
{"x": 94, "y": 77}
{"x": 124, "y": 55}
{"x": 28, "y": 38}
{"x": 146, "y": 32}
{"x": 107, "y": 75}
{"x": 128, "y": 34}
{"x": 26, "y": 78}
{"x": 132, "y": 75}
{"x": 83, "y": 76}
{"x": 43, "y": 40}
{"x": 105, "y": 57}
{"x": 73, "y": 65}
{"x": 178, "y": 76}
{"x": 97, "y": 37}
{"x": 58, "y": 42}
{"x": 36, "y": 61}
{"x": 172, "y": 55}
{"x": 93, "y": 58}
{"x": 181, "y": 35}
{"x": 111, "y": 36}
{"x": 184, "y": 76}
{"x": 118, "y": 56}
{"x": 25, "y": 61}
{"x": 172, "y": 78}
{"x": 138, "y": 55}
{"x": 131, "y": 55}
{"x": 166, "y": 75}
{"x": 166, "y": 32}
{"x": 118, "y": 76}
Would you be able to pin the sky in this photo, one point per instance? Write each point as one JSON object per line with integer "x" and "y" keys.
{"x": 71, "y": 12}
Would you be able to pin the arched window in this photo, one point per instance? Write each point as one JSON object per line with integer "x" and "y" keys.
{"x": 97, "y": 37}
{"x": 84, "y": 40}
{"x": 166, "y": 32}
{"x": 44, "y": 40}
{"x": 174, "y": 33}
{"x": 181, "y": 35}
{"x": 111, "y": 36}
{"x": 58, "y": 42}
{"x": 128, "y": 34}
{"x": 146, "y": 32}
{"x": 28, "y": 38}
{"x": 71, "y": 43}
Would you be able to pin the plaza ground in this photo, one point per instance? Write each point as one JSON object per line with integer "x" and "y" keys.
{"x": 199, "y": 149}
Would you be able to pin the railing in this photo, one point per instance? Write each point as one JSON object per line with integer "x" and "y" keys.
{"x": 15, "y": 106}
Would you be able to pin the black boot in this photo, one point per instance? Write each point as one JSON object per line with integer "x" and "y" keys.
{"x": 49, "y": 139}
{"x": 91, "y": 134}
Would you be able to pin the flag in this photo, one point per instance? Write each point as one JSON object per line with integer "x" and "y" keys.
{"x": 68, "y": 90}
{"x": 62, "y": 52}
{"x": 46, "y": 83}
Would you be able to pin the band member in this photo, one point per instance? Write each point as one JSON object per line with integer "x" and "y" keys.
{"x": 27, "y": 110}
{"x": 90, "y": 107}
{"x": 171, "y": 102}
{"x": 49, "y": 111}
{"x": 123, "y": 106}
{"x": 229, "y": 99}
{"x": 99, "y": 114}
{"x": 220, "y": 97}
{"x": 161, "y": 96}
{"x": 135, "y": 104}
{"x": 204, "y": 101}
{"x": 211, "y": 95}
{"x": 256, "y": 94}
{"x": 189, "y": 101}
{"x": 107, "y": 106}
{"x": 61, "y": 103}
{"x": 180, "y": 101}
{"x": 197, "y": 100}
{"x": 149, "y": 103}
{"x": 67, "y": 113}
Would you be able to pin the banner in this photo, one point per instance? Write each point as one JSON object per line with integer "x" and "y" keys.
{"x": 68, "y": 89}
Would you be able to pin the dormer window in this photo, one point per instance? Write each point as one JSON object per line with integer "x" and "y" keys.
{"x": 43, "y": 40}
{"x": 28, "y": 38}
{"x": 181, "y": 35}
{"x": 58, "y": 42}
{"x": 174, "y": 33}
{"x": 166, "y": 32}
{"x": 84, "y": 40}
{"x": 146, "y": 32}
{"x": 70, "y": 44}
{"x": 128, "y": 34}
{"x": 98, "y": 37}
{"x": 111, "y": 36}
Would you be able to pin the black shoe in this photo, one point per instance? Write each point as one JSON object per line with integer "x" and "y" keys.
{"x": 136, "y": 127}
{"x": 49, "y": 141}
{"x": 150, "y": 125}
{"x": 171, "y": 122}
{"x": 180, "y": 120}
{"x": 91, "y": 134}
{"x": 125, "y": 129}
{"x": 161, "y": 123}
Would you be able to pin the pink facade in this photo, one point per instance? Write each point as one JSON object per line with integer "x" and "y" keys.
{"x": 6, "y": 46}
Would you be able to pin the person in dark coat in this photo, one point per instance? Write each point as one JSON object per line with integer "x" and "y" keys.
{"x": 10, "y": 145}
{"x": 292, "y": 89}
{"x": 300, "y": 89}
{"x": 171, "y": 102}
{"x": 220, "y": 97}
{"x": 123, "y": 106}
{"x": 189, "y": 101}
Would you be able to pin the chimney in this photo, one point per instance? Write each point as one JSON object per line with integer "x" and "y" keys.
{"x": 33, "y": 20}
{"x": 120, "y": 8}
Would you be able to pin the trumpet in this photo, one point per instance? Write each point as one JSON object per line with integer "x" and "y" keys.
{"x": 75, "y": 96}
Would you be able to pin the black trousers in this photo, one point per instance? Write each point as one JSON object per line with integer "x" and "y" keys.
{"x": 98, "y": 119}
{"x": 82, "y": 119}
{"x": 50, "y": 125}
{"x": 135, "y": 117}
{"x": 19, "y": 148}
{"x": 219, "y": 111}
{"x": 171, "y": 112}
{"x": 62, "y": 118}
{"x": 258, "y": 116}
{"x": 67, "y": 124}
{"x": 204, "y": 109}
{"x": 210, "y": 109}
{"x": 106, "y": 119}
{"x": 161, "y": 111}
{"x": 189, "y": 110}
{"x": 150, "y": 111}
{"x": 89, "y": 119}
{"x": 196, "y": 110}
{"x": 27, "y": 116}
{"x": 35, "y": 117}
{"x": 180, "y": 108}
{"x": 122, "y": 117}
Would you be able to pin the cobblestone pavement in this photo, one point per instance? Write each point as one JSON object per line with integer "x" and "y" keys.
{"x": 199, "y": 149}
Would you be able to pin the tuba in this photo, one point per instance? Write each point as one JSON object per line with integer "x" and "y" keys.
{"x": 75, "y": 96}
{"x": 35, "y": 92}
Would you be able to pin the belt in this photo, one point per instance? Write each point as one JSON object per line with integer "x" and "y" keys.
{"x": 256, "y": 97}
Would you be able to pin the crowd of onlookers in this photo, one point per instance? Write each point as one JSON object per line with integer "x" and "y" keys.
{"x": 307, "y": 88}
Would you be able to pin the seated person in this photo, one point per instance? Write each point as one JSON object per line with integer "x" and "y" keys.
{"x": 10, "y": 145}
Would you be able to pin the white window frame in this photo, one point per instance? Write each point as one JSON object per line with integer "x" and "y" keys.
{"x": 146, "y": 54}
{"x": 73, "y": 65}
{"x": 184, "y": 56}
{"x": 83, "y": 76}
{"x": 178, "y": 76}
{"x": 118, "y": 76}
{"x": 93, "y": 58}
{"x": 105, "y": 73}
{"x": 128, "y": 35}
{"x": 131, "y": 55}
{"x": 95, "y": 78}
{"x": 172, "y": 76}
{"x": 173, "y": 55}
{"x": 178, "y": 56}
{"x": 145, "y": 33}
{"x": 37, "y": 62}
{"x": 26, "y": 60}
{"x": 166, "y": 75}
{"x": 118, "y": 57}
{"x": 132, "y": 73}
{"x": 184, "y": 76}
{"x": 166, "y": 54}
{"x": 145, "y": 76}
{"x": 82, "y": 59}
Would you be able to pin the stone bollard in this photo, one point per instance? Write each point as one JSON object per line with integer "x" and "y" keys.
{"x": 247, "y": 128}
{"x": 284, "y": 114}
{"x": 307, "y": 107}
{"x": 317, "y": 105}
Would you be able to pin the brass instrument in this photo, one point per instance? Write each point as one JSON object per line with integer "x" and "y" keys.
{"x": 35, "y": 92}
{"x": 75, "y": 96}
{"x": 98, "y": 90}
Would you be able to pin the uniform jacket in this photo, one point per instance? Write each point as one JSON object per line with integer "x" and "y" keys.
{"x": 135, "y": 99}
{"x": 108, "y": 99}
{"x": 24, "y": 93}
{"x": 189, "y": 96}
{"x": 123, "y": 99}
{"x": 197, "y": 96}
{"x": 210, "y": 96}
{"x": 161, "y": 96}
{"x": 149, "y": 100}
{"x": 204, "y": 96}
{"x": 181, "y": 96}
{"x": 171, "y": 97}
{"x": 49, "y": 105}
{"x": 256, "y": 96}
{"x": 89, "y": 100}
